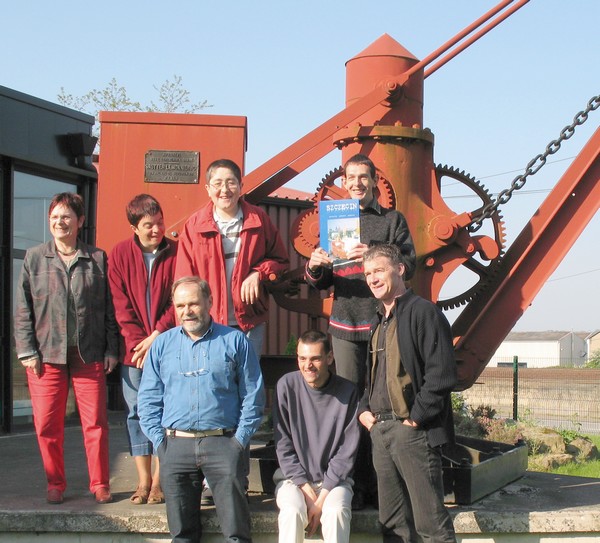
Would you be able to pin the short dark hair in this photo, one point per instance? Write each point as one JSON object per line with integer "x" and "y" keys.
{"x": 388, "y": 250}
{"x": 223, "y": 163}
{"x": 315, "y": 336}
{"x": 202, "y": 285}
{"x": 362, "y": 159}
{"x": 68, "y": 199}
{"x": 140, "y": 206}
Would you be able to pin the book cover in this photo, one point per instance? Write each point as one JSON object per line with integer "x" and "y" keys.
{"x": 339, "y": 228}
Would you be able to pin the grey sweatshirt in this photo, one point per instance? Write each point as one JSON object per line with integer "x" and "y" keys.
{"x": 316, "y": 430}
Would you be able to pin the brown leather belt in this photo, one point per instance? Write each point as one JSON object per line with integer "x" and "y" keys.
{"x": 171, "y": 432}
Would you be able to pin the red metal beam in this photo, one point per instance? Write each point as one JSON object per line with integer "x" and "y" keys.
{"x": 320, "y": 137}
{"x": 290, "y": 171}
{"x": 307, "y": 150}
{"x": 530, "y": 261}
{"x": 473, "y": 38}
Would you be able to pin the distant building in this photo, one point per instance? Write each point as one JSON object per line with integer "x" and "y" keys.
{"x": 543, "y": 349}
{"x": 593, "y": 342}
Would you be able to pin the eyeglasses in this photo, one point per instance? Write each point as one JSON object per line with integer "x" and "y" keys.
{"x": 229, "y": 184}
{"x": 194, "y": 373}
{"x": 188, "y": 359}
{"x": 64, "y": 218}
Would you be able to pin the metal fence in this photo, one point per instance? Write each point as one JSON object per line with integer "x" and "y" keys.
{"x": 565, "y": 398}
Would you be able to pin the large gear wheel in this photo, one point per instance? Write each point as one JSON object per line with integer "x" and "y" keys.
{"x": 485, "y": 272}
{"x": 304, "y": 232}
{"x": 329, "y": 190}
{"x": 305, "y": 228}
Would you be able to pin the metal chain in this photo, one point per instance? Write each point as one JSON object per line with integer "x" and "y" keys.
{"x": 534, "y": 165}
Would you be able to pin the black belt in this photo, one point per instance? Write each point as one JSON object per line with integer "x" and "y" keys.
{"x": 172, "y": 432}
{"x": 387, "y": 415}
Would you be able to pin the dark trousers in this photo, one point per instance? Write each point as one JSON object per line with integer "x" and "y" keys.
{"x": 351, "y": 363}
{"x": 184, "y": 462}
{"x": 411, "y": 490}
{"x": 351, "y": 360}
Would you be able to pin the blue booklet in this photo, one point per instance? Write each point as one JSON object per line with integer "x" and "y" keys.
{"x": 339, "y": 226}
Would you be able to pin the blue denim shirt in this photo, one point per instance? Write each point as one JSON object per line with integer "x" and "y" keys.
{"x": 213, "y": 382}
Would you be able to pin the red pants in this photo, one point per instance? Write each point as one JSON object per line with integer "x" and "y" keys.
{"x": 49, "y": 402}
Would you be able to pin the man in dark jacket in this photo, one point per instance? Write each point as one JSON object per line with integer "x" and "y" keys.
{"x": 406, "y": 405}
{"x": 353, "y": 304}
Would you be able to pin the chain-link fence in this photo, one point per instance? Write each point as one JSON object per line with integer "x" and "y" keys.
{"x": 566, "y": 398}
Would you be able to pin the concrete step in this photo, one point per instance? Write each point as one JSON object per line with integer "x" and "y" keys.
{"x": 538, "y": 507}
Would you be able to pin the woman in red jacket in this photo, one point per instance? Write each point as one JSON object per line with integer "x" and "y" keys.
{"x": 236, "y": 248}
{"x": 140, "y": 271}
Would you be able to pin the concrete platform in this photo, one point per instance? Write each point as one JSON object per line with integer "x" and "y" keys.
{"x": 540, "y": 508}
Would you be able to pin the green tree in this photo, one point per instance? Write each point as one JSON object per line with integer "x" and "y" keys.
{"x": 173, "y": 97}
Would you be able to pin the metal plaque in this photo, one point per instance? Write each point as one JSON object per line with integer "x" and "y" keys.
{"x": 171, "y": 167}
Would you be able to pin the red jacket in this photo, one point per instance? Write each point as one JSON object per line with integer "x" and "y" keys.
{"x": 128, "y": 279}
{"x": 201, "y": 253}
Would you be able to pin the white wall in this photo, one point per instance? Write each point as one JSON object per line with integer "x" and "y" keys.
{"x": 569, "y": 350}
{"x": 536, "y": 354}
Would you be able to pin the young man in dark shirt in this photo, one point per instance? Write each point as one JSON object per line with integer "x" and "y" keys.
{"x": 316, "y": 437}
{"x": 353, "y": 303}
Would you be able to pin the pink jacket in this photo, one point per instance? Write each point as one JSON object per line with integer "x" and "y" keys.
{"x": 201, "y": 253}
{"x": 128, "y": 280}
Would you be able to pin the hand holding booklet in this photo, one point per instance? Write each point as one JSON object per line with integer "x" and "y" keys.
{"x": 339, "y": 225}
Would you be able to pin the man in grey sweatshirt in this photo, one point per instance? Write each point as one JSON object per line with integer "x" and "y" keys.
{"x": 316, "y": 438}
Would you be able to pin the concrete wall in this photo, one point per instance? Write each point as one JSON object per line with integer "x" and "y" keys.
{"x": 536, "y": 354}
{"x": 567, "y": 351}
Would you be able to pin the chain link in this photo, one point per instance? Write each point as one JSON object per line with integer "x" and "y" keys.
{"x": 534, "y": 166}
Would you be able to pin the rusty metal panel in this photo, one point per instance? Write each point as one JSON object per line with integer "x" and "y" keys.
{"x": 125, "y": 140}
{"x": 284, "y": 324}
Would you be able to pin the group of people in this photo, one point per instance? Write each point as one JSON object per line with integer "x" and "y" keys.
{"x": 187, "y": 322}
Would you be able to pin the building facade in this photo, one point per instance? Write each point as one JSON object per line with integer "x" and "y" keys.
{"x": 44, "y": 149}
{"x": 542, "y": 349}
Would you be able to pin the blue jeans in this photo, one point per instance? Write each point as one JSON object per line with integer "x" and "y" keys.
{"x": 184, "y": 462}
{"x": 139, "y": 444}
{"x": 411, "y": 489}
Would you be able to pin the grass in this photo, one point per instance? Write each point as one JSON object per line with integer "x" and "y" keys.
{"x": 586, "y": 469}
{"x": 582, "y": 469}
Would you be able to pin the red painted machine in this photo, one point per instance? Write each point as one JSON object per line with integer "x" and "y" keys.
{"x": 383, "y": 119}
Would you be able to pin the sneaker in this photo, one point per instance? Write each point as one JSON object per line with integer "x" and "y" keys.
{"x": 358, "y": 500}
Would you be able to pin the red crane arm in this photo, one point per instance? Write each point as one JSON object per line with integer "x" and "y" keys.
{"x": 529, "y": 262}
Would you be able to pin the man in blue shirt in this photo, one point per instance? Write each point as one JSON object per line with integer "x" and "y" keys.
{"x": 200, "y": 401}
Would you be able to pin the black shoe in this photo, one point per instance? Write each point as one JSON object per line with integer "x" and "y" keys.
{"x": 54, "y": 496}
{"x": 374, "y": 501}
{"x": 358, "y": 500}
{"x": 207, "y": 497}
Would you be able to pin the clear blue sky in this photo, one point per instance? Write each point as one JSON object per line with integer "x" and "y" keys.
{"x": 281, "y": 64}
